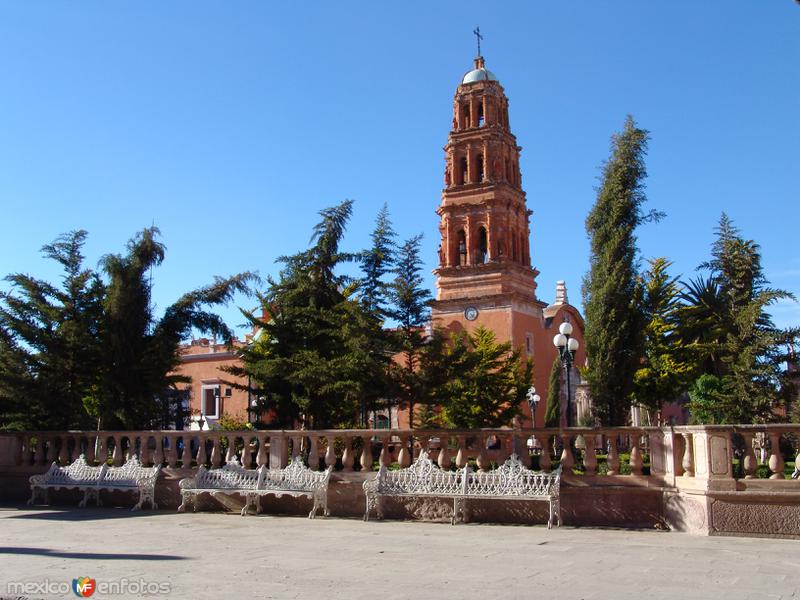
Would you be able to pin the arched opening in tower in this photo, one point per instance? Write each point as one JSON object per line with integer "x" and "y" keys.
{"x": 483, "y": 246}
{"x": 462, "y": 171}
{"x": 462, "y": 248}
{"x": 465, "y": 115}
{"x": 481, "y": 119}
{"x": 478, "y": 168}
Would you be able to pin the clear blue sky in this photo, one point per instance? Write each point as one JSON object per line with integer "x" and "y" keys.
{"x": 230, "y": 124}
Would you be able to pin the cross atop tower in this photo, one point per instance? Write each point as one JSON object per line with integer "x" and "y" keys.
{"x": 478, "y": 37}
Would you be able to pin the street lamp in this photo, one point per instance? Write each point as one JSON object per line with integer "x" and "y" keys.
{"x": 533, "y": 401}
{"x": 566, "y": 350}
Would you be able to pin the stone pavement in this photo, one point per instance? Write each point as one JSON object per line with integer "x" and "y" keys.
{"x": 214, "y": 555}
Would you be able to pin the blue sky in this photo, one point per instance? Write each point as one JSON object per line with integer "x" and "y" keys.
{"x": 230, "y": 124}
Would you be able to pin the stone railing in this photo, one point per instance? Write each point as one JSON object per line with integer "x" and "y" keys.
{"x": 666, "y": 454}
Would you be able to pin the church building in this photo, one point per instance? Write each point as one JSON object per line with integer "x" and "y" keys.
{"x": 485, "y": 274}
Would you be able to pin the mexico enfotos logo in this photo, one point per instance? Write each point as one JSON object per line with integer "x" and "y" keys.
{"x": 85, "y": 587}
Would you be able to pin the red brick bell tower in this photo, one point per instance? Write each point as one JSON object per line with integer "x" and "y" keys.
{"x": 485, "y": 275}
{"x": 484, "y": 259}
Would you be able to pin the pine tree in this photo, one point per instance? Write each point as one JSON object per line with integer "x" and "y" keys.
{"x": 49, "y": 348}
{"x": 663, "y": 373}
{"x": 552, "y": 415}
{"x": 376, "y": 263}
{"x": 611, "y": 289}
{"x": 312, "y": 357}
{"x": 747, "y": 359}
{"x": 486, "y": 383}
{"x": 409, "y": 308}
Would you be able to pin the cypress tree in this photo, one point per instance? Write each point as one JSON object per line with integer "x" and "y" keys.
{"x": 552, "y": 415}
{"x": 611, "y": 289}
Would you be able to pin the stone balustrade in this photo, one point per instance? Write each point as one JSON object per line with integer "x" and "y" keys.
{"x": 671, "y": 455}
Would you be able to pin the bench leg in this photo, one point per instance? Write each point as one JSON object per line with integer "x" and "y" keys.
{"x": 186, "y": 499}
{"x": 34, "y": 491}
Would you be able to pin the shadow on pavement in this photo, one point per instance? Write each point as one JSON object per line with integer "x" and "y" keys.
{"x": 88, "y": 555}
{"x": 72, "y": 513}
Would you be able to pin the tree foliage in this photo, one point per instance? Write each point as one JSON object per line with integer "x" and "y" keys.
{"x": 486, "y": 381}
{"x": 314, "y": 356}
{"x": 552, "y": 415}
{"x": 612, "y": 290}
{"x": 725, "y": 322}
{"x": 664, "y": 371}
{"x": 91, "y": 352}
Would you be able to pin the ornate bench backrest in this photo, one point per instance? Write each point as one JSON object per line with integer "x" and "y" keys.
{"x": 230, "y": 476}
{"x": 131, "y": 474}
{"x": 422, "y": 477}
{"x": 512, "y": 478}
{"x": 77, "y": 472}
{"x": 295, "y": 477}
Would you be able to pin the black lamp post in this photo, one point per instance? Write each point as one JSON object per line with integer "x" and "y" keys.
{"x": 566, "y": 349}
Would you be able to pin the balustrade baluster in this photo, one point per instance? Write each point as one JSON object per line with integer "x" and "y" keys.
{"x": 230, "y": 449}
{"x": 90, "y": 449}
{"x": 749, "y": 462}
{"x": 116, "y": 455}
{"x": 216, "y": 458}
{"x": 330, "y": 453}
{"x": 172, "y": 450}
{"x": 461, "y": 455}
{"x": 39, "y": 456}
{"x": 102, "y": 449}
{"x": 612, "y": 459}
{"x": 590, "y": 454}
{"x": 144, "y": 450}
{"x": 262, "y": 458}
{"x": 158, "y": 455}
{"x": 51, "y": 450}
{"x": 775, "y": 456}
{"x": 688, "y": 455}
{"x": 313, "y": 452}
{"x": 186, "y": 452}
{"x": 202, "y": 456}
{"x": 63, "y": 455}
{"x": 247, "y": 451}
{"x": 384, "y": 459}
{"x": 444, "y": 453}
{"x": 567, "y": 459}
{"x": 482, "y": 461}
{"x": 636, "y": 454}
{"x": 347, "y": 454}
{"x": 545, "y": 461}
{"x": 366, "y": 453}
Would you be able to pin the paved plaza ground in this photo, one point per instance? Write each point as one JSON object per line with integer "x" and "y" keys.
{"x": 215, "y": 555}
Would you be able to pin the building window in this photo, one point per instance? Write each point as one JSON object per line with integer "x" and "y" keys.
{"x": 479, "y": 168}
{"x": 529, "y": 344}
{"x": 462, "y": 172}
{"x": 381, "y": 422}
{"x": 481, "y": 120}
{"x": 210, "y": 400}
{"x": 466, "y": 115}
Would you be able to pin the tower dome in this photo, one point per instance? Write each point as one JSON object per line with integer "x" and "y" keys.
{"x": 479, "y": 73}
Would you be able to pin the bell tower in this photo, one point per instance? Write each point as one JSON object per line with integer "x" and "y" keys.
{"x": 484, "y": 274}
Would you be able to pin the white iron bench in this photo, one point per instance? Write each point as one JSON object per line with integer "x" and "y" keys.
{"x": 424, "y": 479}
{"x": 232, "y": 479}
{"x": 131, "y": 476}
